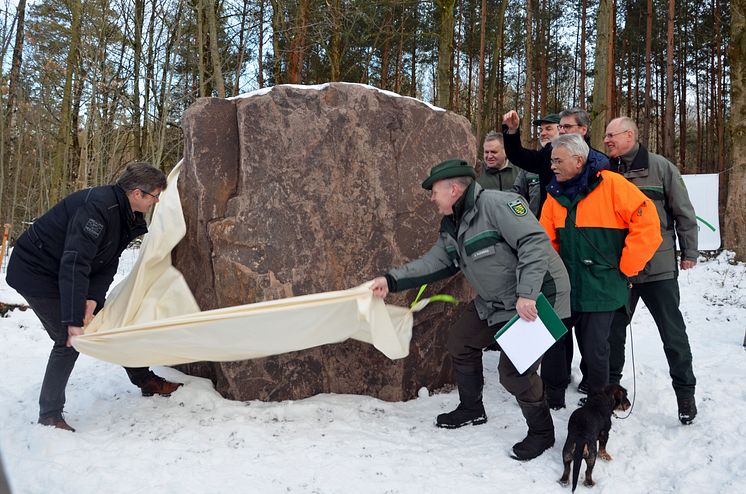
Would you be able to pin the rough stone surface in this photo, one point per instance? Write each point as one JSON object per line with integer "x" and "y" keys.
{"x": 297, "y": 191}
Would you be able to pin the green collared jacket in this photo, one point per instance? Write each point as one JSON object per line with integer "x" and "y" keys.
{"x": 661, "y": 181}
{"x": 502, "y": 250}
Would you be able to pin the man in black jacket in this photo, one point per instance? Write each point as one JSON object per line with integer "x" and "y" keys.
{"x": 64, "y": 264}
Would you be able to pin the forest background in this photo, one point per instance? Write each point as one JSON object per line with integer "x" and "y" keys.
{"x": 86, "y": 87}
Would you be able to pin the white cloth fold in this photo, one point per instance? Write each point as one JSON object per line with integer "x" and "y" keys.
{"x": 152, "y": 318}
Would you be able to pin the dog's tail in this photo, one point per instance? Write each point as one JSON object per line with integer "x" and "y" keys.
{"x": 580, "y": 446}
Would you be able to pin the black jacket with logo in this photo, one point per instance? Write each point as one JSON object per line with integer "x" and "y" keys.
{"x": 72, "y": 251}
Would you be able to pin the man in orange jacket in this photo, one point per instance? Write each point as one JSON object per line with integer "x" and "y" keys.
{"x": 605, "y": 231}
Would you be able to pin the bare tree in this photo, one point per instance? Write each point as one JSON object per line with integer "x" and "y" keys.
{"x": 526, "y": 121}
{"x": 735, "y": 221}
{"x": 445, "y": 49}
{"x": 669, "y": 111}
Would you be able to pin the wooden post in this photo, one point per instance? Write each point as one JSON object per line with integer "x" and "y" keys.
{"x": 5, "y": 241}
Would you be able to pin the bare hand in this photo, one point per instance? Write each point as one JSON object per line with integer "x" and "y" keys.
{"x": 380, "y": 287}
{"x": 512, "y": 120}
{"x": 90, "y": 306}
{"x": 526, "y": 308}
{"x": 687, "y": 264}
{"x": 73, "y": 331}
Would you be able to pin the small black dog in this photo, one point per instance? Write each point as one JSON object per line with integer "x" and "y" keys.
{"x": 590, "y": 424}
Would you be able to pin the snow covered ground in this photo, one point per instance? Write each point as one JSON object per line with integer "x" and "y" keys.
{"x": 197, "y": 442}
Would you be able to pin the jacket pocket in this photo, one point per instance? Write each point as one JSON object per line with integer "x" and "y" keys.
{"x": 664, "y": 259}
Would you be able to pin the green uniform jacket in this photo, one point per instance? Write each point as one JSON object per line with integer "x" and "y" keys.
{"x": 498, "y": 179}
{"x": 502, "y": 250}
{"x": 661, "y": 181}
{"x": 528, "y": 185}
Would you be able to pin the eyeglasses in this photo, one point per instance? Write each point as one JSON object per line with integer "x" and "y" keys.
{"x": 568, "y": 126}
{"x": 557, "y": 161}
{"x": 154, "y": 196}
{"x": 612, "y": 134}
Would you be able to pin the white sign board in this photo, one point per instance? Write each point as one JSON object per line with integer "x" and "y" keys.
{"x": 704, "y": 192}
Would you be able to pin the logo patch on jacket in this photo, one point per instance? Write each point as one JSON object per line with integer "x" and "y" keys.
{"x": 93, "y": 228}
{"x": 518, "y": 207}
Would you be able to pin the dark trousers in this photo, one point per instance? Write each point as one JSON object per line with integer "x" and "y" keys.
{"x": 557, "y": 364}
{"x": 662, "y": 300}
{"x": 466, "y": 340}
{"x": 62, "y": 359}
{"x": 592, "y": 331}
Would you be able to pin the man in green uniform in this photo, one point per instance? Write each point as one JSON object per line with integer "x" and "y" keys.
{"x": 506, "y": 256}
{"x": 657, "y": 284}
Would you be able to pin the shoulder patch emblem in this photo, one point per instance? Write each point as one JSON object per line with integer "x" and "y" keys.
{"x": 518, "y": 207}
{"x": 93, "y": 228}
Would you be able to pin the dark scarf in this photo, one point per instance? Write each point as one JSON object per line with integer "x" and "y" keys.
{"x": 580, "y": 182}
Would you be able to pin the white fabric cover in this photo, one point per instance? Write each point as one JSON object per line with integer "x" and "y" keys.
{"x": 151, "y": 317}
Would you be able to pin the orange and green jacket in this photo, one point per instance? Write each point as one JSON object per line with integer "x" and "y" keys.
{"x": 605, "y": 235}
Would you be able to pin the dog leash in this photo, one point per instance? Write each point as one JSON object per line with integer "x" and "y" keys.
{"x": 634, "y": 375}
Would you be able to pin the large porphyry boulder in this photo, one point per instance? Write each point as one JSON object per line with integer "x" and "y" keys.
{"x": 297, "y": 190}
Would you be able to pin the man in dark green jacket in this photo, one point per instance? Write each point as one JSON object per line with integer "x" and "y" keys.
{"x": 505, "y": 255}
{"x": 657, "y": 284}
{"x": 497, "y": 172}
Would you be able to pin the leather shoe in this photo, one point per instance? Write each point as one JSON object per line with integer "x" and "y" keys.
{"x": 57, "y": 422}
{"x": 156, "y": 385}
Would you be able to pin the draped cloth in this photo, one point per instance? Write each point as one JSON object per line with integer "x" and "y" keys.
{"x": 152, "y": 318}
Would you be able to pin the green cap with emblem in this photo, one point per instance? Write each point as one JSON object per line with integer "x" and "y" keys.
{"x": 448, "y": 169}
{"x": 552, "y": 118}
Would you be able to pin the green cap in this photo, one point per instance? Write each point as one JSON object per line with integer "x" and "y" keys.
{"x": 551, "y": 118}
{"x": 448, "y": 169}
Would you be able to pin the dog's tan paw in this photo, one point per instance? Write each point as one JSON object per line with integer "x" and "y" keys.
{"x": 604, "y": 455}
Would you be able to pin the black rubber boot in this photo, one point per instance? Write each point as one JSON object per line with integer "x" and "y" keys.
{"x": 470, "y": 410}
{"x": 687, "y": 409}
{"x": 540, "y": 431}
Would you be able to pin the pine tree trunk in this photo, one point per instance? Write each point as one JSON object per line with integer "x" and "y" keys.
{"x": 682, "y": 89}
{"x": 582, "y": 103}
{"x": 61, "y": 160}
{"x": 526, "y": 120}
{"x": 11, "y": 134}
{"x": 445, "y": 9}
{"x": 600, "y": 108}
{"x": 735, "y": 219}
{"x": 386, "y": 50}
{"x": 260, "y": 55}
{"x": 278, "y": 27}
{"x": 241, "y": 48}
{"x": 457, "y": 58}
{"x": 136, "y": 107}
{"x": 217, "y": 70}
{"x": 645, "y": 135}
{"x": 480, "y": 87}
{"x": 335, "y": 40}
{"x": 669, "y": 150}
{"x": 492, "y": 98}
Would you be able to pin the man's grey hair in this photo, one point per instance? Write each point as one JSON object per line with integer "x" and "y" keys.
{"x": 581, "y": 116}
{"x": 628, "y": 123}
{"x": 463, "y": 182}
{"x": 574, "y": 144}
{"x": 494, "y": 136}
{"x": 142, "y": 175}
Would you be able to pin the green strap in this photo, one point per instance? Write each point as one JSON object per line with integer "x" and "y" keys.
{"x": 419, "y": 294}
{"x": 435, "y": 298}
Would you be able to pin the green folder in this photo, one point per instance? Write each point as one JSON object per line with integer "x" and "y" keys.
{"x": 525, "y": 342}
